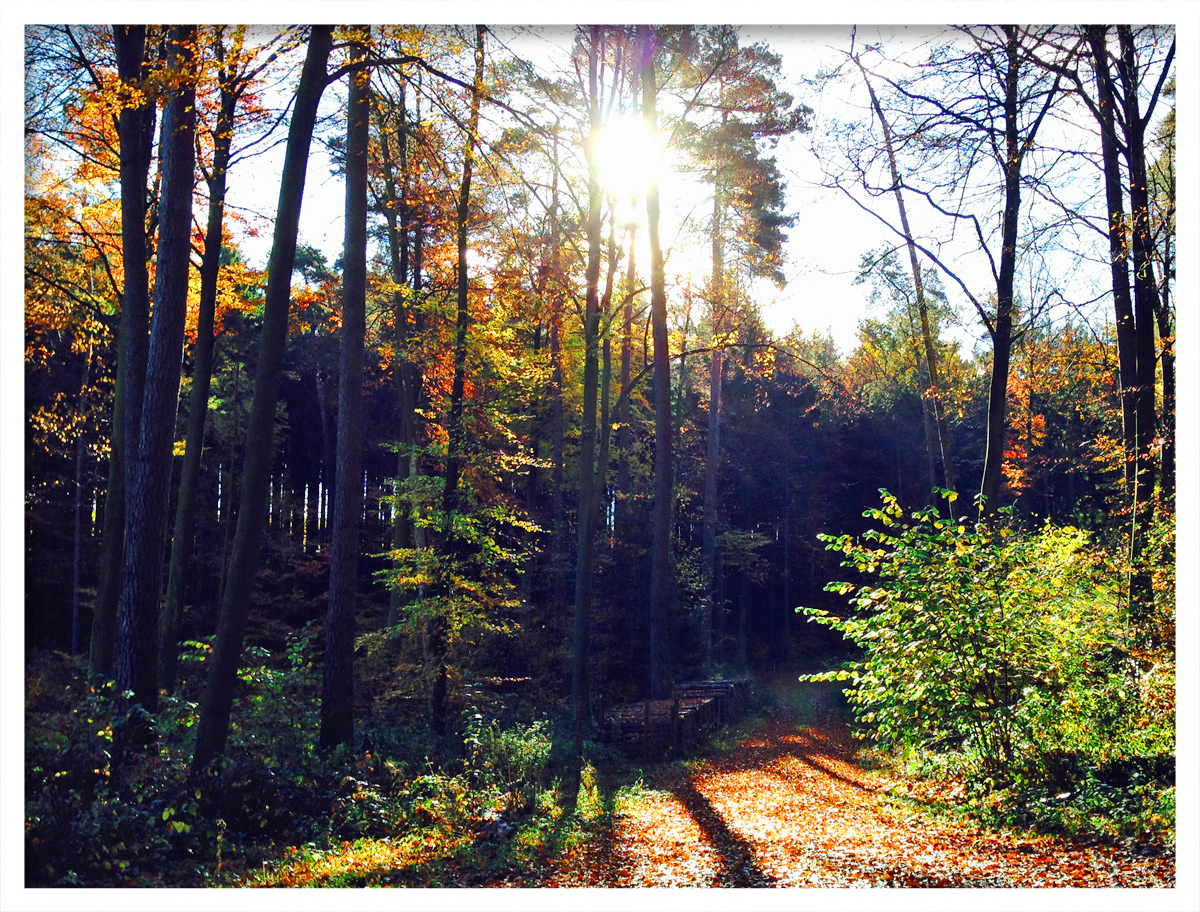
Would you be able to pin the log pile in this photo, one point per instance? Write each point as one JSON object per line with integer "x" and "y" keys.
{"x": 657, "y": 729}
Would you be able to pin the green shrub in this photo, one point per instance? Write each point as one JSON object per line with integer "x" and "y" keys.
{"x": 1008, "y": 645}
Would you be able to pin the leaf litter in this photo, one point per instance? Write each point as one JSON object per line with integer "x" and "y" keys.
{"x": 789, "y": 807}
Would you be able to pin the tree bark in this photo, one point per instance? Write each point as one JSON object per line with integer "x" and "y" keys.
{"x": 586, "y": 531}
{"x": 135, "y": 130}
{"x": 150, "y": 481}
{"x": 624, "y": 437}
{"x": 1118, "y": 237}
{"x": 1002, "y": 328}
{"x": 217, "y": 699}
{"x": 558, "y": 517}
{"x": 77, "y": 531}
{"x": 437, "y": 636}
{"x": 404, "y": 371}
{"x": 185, "y": 510}
{"x": 337, "y": 693}
{"x": 660, "y": 563}
{"x": 1145, "y": 306}
{"x": 712, "y": 455}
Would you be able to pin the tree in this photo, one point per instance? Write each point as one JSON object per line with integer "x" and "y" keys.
{"x": 975, "y": 106}
{"x": 586, "y": 528}
{"x": 1137, "y": 304}
{"x": 1146, "y": 303}
{"x": 217, "y": 699}
{"x": 392, "y": 115}
{"x": 451, "y": 497}
{"x": 660, "y": 561}
{"x": 337, "y": 694}
{"x": 1162, "y": 177}
{"x": 149, "y": 482}
{"x": 74, "y": 281}
{"x": 934, "y": 394}
{"x": 136, "y": 130}
{"x": 748, "y": 221}
{"x": 236, "y": 72}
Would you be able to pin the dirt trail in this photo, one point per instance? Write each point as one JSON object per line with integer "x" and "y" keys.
{"x": 788, "y": 807}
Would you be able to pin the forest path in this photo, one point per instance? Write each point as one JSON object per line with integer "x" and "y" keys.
{"x": 789, "y": 807}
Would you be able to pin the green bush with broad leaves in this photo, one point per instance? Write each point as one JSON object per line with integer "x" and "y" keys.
{"x": 1008, "y": 645}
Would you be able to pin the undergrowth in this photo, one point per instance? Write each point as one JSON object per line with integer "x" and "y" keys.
{"x": 1005, "y": 673}
{"x": 109, "y": 800}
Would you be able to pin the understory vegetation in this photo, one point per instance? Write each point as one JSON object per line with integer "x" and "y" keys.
{"x": 109, "y": 799}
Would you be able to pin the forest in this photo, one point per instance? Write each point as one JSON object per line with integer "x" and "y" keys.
{"x": 478, "y": 528}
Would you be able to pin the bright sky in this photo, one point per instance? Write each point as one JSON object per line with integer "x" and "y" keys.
{"x": 823, "y": 248}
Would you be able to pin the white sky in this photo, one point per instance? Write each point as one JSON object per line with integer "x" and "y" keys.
{"x": 820, "y": 295}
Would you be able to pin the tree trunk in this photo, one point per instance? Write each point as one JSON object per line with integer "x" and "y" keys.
{"x": 1117, "y": 248}
{"x": 1166, "y": 334}
{"x": 217, "y": 699}
{"x": 451, "y": 500}
{"x": 624, "y": 437}
{"x": 328, "y": 446}
{"x": 586, "y": 531}
{"x": 148, "y": 492}
{"x": 136, "y": 131}
{"x": 558, "y": 518}
{"x": 185, "y": 510}
{"x": 931, "y": 365}
{"x": 77, "y": 533}
{"x": 1145, "y": 305}
{"x": 712, "y": 455}
{"x": 396, "y": 213}
{"x": 1002, "y": 328}
{"x": 337, "y": 693}
{"x": 660, "y": 563}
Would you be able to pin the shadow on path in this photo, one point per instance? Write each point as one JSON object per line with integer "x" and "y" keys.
{"x": 821, "y": 767}
{"x": 738, "y": 868}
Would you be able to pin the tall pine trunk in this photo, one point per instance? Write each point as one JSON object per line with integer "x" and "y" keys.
{"x": 135, "y": 131}
{"x": 217, "y": 699}
{"x": 337, "y": 693}
{"x": 77, "y": 513}
{"x": 185, "y": 510}
{"x": 149, "y": 483}
{"x": 712, "y": 454}
{"x": 660, "y": 561}
{"x": 624, "y": 438}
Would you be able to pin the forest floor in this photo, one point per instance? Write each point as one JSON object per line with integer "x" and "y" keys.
{"x": 788, "y": 807}
{"x": 784, "y": 804}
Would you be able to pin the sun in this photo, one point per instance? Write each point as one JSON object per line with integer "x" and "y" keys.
{"x": 627, "y": 156}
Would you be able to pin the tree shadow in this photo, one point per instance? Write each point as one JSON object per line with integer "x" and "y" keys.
{"x": 828, "y": 771}
{"x": 736, "y": 855}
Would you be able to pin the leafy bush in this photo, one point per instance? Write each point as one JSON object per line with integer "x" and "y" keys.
{"x": 1011, "y": 646}
{"x": 102, "y": 805}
